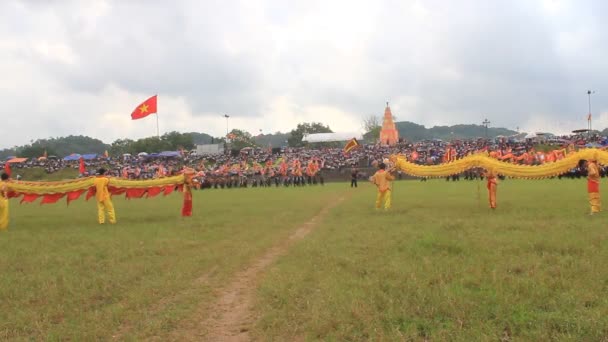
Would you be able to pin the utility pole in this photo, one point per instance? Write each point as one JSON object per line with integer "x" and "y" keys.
{"x": 226, "y": 139}
{"x": 226, "y": 116}
{"x": 486, "y": 123}
{"x": 589, "y": 118}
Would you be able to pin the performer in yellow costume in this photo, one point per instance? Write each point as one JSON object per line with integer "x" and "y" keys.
{"x": 593, "y": 187}
{"x": 187, "y": 206}
{"x": 104, "y": 202}
{"x": 492, "y": 179}
{"x": 4, "y": 202}
{"x": 382, "y": 179}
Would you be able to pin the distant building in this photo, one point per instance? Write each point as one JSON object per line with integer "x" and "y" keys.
{"x": 389, "y": 134}
{"x": 202, "y": 150}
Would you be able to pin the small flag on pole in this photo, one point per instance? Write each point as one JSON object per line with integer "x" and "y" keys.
{"x": 144, "y": 109}
{"x": 351, "y": 144}
{"x": 589, "y": 117}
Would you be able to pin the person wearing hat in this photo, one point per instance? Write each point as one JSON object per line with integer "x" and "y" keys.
{"x": 4, "y": 217}
{"x": 382, "y": 179}
{"x": 104, "y": 201}
{"x": 593, "y": 185}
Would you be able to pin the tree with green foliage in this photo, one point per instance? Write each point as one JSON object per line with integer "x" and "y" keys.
{"x": 120, "y": 147}
{"x": 295, "y": 140}
{"x": 171, "y": 141}
{"x": 35, "y": 151}
{"x": 57, "y": 146}
{"x": 241, "y": 139}
{"x": 372, "y": 127}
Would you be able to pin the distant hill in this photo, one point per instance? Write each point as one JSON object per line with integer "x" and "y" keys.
{"x": 410, "y": 131}
{"x": 201, "y": 138}
{"x": 57, "y": 146}
{"x": 277, "y": 139}
{"x": 415, "y": 132}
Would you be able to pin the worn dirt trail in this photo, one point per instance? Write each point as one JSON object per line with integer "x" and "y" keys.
{"x": 231, "y": 317}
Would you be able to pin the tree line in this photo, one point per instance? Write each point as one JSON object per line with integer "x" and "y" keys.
{"x": 239, "y": 139}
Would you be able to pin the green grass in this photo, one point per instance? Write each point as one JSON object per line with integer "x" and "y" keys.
{"x": 439, "y": 266}
{"x": 65, "y": 277}
{"x": 39, "y": 174}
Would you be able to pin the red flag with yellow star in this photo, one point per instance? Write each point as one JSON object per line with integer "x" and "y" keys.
{"x": 146, "y": 108}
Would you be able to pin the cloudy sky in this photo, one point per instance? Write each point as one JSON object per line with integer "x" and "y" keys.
{"x": 80, "y": 67}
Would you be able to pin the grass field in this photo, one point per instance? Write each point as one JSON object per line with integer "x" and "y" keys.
{"x": 438, "y": 266}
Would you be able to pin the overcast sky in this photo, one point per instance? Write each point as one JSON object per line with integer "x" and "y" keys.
{"x": 81, "y": 67}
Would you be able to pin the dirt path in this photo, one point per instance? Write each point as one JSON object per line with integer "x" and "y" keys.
{"x": 230, "y": 318}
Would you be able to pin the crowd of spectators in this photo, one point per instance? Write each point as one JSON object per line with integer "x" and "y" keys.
{"x": 261, "y": 167}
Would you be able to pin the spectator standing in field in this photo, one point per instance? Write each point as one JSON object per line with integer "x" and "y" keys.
{"x": 4, "y": 202}
{"x": 354, "y": 174}
{"x": 382, "y": 179}
{"x": 104, "y": 202}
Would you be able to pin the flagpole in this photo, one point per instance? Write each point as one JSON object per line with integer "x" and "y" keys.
{"x": 157, "y": 130}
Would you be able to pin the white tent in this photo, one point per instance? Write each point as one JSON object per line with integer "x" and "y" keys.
{"x": 328, "y": 137}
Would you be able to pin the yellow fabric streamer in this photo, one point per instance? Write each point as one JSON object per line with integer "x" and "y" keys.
{"x": 483, "y": 161}
{"x": 47, "y": 188}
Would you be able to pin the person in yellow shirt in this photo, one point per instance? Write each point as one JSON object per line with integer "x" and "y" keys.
{"x": 4, "y": 202}
{"x": 104, "y": 201}
{"x": 593, "y": 186}
{"x": 382, "y": 179}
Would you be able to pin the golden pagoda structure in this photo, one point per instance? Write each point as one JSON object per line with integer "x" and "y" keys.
{"x": 388, "y": 134}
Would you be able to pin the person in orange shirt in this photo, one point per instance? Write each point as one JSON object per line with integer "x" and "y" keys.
{"x": 382, "y": 179}
{"x": 593, "y": 186}
{"x": 492, "y": 179}
{"x": 104, "y": 201}
{"x": 4, "y": 213}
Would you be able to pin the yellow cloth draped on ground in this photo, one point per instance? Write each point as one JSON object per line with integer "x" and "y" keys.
{"x": 482, "y": 160}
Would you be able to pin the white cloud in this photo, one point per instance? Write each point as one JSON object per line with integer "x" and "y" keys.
{"x": 80, "y": 67}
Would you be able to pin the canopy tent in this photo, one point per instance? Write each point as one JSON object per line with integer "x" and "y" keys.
{"x": 577, "y": 131}
{"x": 71, "y": 157}
{"x": 329, "y": 137}
{"x": 11, "y": 157}
{"x": 169, "y": 154}
{"x": 89, "y": 156}
{"x": 596, "y": 145}
{"x": 142, "y": 154}
{"x": 16, "y": 160}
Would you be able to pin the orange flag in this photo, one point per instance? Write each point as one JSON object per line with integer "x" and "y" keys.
{"x": 144, "y": 109}
{"x": 351, "y": 145}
